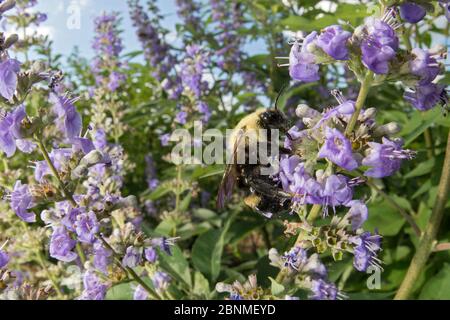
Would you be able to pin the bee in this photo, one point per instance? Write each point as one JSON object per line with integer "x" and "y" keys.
{"x": 265, "y": 195}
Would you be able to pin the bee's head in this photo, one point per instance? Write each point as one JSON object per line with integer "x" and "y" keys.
{"x": 274, "y": 119}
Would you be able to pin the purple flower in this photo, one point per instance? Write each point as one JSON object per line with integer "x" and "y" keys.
{"x": 102, "y": 257}
{"x": 181, "y": 117}
{"x": 164, "y": 138}
{"x": 132, "y": 258}
{"x": 160, "y": 280}
{"x": 345, "y": 108}
{"x": 94, "y": 288}
{"x": 86, "y": 227}
{"x": 192, "y": 70}
{"x": 379, "y": 46}
{"x": 150, "y": 172}
{"x": 22, "y": 201}
{"x": 412, "y": 12}
{"x": 140, "y": 293}
{"x": 4, "y": 259}
{"x": 61, "y": 245}
{"x": 164, "y": 244}
{"x": 188, "y": 11}
{"x": 302, "y": 66}
{"x": 333, "y": 40}
{"x": 385, "y": 158}
{"x": 204, "y": 110}
{"x": 8, "y": 78}
{"x": 358, "y": 213}
{"x": 68, "y": 119}
{"x": 115, "y": 80}
{"x": 59, "y": 158}
{"x": 323, "y": 290}
{"x": 365, "y": 251}
{"x": 295, "y": 258}
{"x": 11, "y": 133}
{"x": 425, "y": 97}
{"x": 100, "y": 140}
{"x": 338, "y": 149}
{"x": 82, "y": 144}
{"x": 336, "y": 191}
{"x": 150, "y": 254}
{"x": 424, "y": 65}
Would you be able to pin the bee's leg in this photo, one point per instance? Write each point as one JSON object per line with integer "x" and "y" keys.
{"x": 268, "y": 206}
{"x": 281, "y": 149}
{"x": 266, "y": 188}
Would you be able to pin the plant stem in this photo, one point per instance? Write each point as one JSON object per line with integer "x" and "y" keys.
{"x": 42, "y": 262}
{"x": 363, "y": 92}
{"x": 55, "y": 173}
{"x": 429, "y": 143}
{"x": 427, "y": 242}
{"x": 63, "y": 189}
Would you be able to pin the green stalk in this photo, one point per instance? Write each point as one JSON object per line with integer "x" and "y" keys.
{"x": 427, "y": 242}
{"x": 55, "y": 173}
{"x": 66, "y": 193}
{"x": 43, "y": 264}
{"x": 363, "y": 92}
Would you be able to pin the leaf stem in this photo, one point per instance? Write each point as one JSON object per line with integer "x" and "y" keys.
{"x": 427, "y": 242}
{"x": 363, "y": 92}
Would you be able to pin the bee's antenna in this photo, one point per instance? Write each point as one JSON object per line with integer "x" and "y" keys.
{"x": 279, "y": 95}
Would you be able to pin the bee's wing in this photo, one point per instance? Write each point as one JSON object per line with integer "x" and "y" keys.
{"x": 229, "y": 178}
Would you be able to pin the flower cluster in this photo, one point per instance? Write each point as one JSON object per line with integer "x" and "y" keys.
{"x": 156, "y": 49}
{"x": 108, "y": 71}
{"x": 308, "y": 272}
{"x": 188, "y": 11}
{"x": 376, "y": 44}
{"x": 76, "y": 188}
{"x": 230, "y": 56}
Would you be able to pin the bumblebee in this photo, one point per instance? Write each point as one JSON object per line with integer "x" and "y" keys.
{"x": 265, "y": 196}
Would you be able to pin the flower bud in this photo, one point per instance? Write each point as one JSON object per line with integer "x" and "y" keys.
{"x": 369, "y": 113}
{"x": 12, "y": 39}
{"x": 92, "y": 158}
{"x": 304, "y": 111}
{"x": 388, "y": 129}
{"x": 7, "y": 5}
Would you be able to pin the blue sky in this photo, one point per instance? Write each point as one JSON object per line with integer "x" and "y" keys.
{"x": 65, "y": 39}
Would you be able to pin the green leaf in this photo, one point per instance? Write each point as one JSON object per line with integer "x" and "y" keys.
{"x": 384, "y": 218}
{"x": 371, "y": 296}
{"x": 208, "y": 248}
{"x": 204, "y": 214}
{"x": 276, "y": 287}
{"x": 201, "y": 285}
{"x": 176, "y": 265}
{"x": 207, "y": 253}
{"x": 429, "y": 118}
{"x": 296, "y": 23}
{"x": 166, "y": 227}
{"x": 438, "y": 287}
{"x": 123, "y": 291}
{"x": 160, "y": 192}
{"x": 421, "y": 169}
